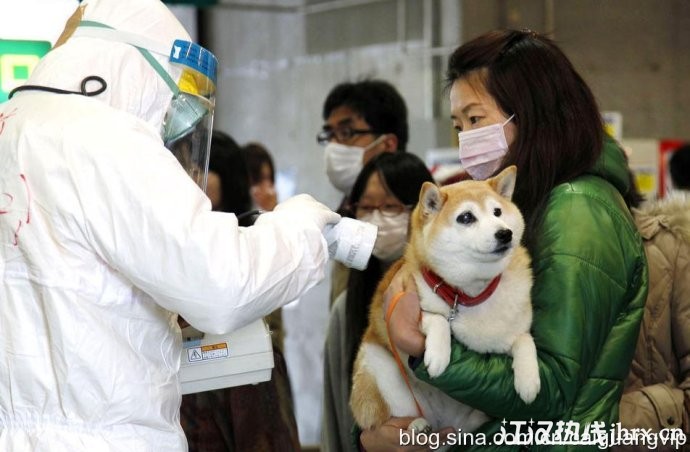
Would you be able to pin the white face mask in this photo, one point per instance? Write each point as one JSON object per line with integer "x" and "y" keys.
{"x": 392, "y": 234}
{"x": 482, "y": 149}
{"x": 344, "y": 163}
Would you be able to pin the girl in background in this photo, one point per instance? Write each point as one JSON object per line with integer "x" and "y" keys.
{"x": 261, "y": 176}
{"x": 385, "y": 192}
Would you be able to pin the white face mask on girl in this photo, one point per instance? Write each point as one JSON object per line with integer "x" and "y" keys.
{"x": 344, "y": 163}
{"x": 392, "y": 234}
{"x": 482, "y": 149}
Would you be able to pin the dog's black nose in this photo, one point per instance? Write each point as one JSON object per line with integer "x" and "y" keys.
{"x": 504, "y": 236}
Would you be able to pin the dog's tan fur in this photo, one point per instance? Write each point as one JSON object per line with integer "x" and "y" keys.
{"x": 378, "y": 391}
{"x": 366, "y": 401}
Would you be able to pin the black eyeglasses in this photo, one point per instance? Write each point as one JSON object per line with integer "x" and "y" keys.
{"x": 387, "y": 210}
{"x": 341, "y": 134}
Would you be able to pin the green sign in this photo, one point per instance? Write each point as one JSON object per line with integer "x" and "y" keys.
{"x": 17, "y": 60}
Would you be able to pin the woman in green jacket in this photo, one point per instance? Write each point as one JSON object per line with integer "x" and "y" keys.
{"x": 590, "y": 273}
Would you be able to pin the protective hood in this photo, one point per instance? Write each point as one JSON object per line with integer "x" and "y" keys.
{"x": 133, "y": 84}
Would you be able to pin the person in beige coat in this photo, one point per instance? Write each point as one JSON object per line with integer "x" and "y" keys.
{"x": 657, "y": 391}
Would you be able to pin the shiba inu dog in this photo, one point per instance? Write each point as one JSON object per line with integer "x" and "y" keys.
{"x": 473, "y": 279}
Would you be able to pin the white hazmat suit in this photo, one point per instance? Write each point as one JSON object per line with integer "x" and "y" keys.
{"x": 105, "y": 237}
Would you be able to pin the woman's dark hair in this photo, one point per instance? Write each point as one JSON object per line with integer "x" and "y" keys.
{"x": 256, "y": 155}
{"x": 228, "y": 163}
{"x": 560, "y": 131}
{"x": 402, "y": 174}
{"x": 377, "y": 101}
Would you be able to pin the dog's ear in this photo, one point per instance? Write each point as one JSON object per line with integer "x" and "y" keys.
{"x": 504, "y": 182}
{"x": 430, "y": 199}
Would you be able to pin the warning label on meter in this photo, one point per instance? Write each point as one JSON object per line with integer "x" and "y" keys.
{"x": 206, "y": 352}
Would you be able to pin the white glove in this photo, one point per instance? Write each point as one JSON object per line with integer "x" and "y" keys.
{"x": 305, "y": 208}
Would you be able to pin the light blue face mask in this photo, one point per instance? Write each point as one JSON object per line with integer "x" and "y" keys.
{"x": 186, "y": 111}
{"x": 188, "y": 122}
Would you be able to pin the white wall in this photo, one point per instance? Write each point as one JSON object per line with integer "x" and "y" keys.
{"x": 40, "y": 20}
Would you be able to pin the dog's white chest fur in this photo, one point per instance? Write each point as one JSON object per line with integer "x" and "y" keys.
{"x": 499, "y": 324}
{"x": 493, "y": 325}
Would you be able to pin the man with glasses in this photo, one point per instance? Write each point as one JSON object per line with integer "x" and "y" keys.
{"x": 362, "y": 120}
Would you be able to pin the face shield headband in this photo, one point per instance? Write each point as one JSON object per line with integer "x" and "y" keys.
{"x": 188, "y": 122}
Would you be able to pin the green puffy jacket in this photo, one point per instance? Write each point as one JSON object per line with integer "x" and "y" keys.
{"x": 590, "y": 285}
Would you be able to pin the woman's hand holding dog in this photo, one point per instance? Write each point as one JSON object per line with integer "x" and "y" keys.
{"x": 404, "y": 321}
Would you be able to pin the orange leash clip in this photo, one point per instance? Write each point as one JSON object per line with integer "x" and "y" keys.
{"x": 389, "y": 313}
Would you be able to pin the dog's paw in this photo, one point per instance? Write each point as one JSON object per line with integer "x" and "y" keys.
{"x": 419, "y": 425}
{"x": 526, "y": 368}
{"x": 527, "y": 383}
{"x": 436, "y": 361}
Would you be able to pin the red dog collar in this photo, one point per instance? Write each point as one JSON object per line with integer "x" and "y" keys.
{"x": 454, "y": 296}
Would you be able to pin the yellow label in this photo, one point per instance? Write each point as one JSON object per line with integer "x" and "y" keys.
{"x": 646, "y": 182}
{"x": 208, "y": 348}
{"x": 207, "y": 352}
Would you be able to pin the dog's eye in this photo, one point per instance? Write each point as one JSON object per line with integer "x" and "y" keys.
{"x": 466, "y": 218}
{"x": 497, "y": 212}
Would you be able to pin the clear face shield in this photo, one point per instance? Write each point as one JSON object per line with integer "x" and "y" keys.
{"x": 188, "y": 122}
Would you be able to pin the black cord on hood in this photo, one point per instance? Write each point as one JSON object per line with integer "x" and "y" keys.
{"x": 50, "y": 89}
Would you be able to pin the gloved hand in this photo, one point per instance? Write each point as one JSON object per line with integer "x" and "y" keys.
{"x": 305, "y": 208}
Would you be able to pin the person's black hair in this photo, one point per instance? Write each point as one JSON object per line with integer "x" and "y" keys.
{"x": 227, "y": 161}
{"x": 377, "y": 101}
{"x": 633, "y": 197}
{"x": 679, "y": 167}
{"x": 256, "y": 155}
{"x": 560, "y": 130}
{"x": 402, "y": 174}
